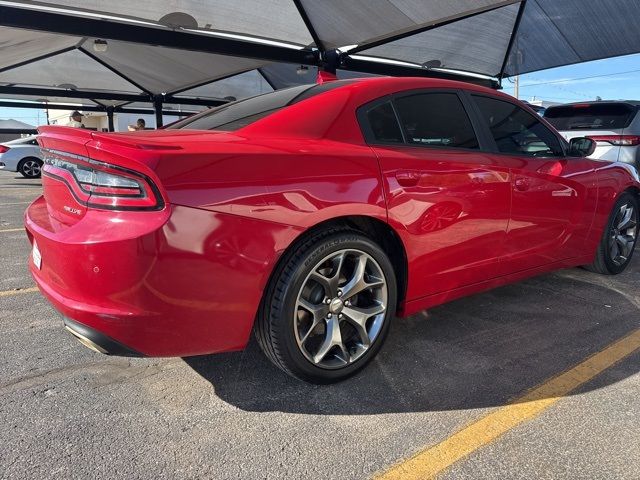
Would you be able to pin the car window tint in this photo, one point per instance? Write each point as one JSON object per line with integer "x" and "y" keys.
{"x": 516, "y": 131}
{"x": 591, "y": 116}
{"x": 436, "y": 120}
{"x": 384, "y": 124}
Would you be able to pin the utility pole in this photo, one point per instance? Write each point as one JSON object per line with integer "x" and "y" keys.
{"x": 516, "y": 87}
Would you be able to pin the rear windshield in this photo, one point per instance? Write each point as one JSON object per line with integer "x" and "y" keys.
{"x": 236, "y": 115}
{"x": 592, "y": 116}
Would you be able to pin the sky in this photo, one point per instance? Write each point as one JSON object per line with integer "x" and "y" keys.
{"x": 611, "y": 79}
{"x": 31, "y": 116}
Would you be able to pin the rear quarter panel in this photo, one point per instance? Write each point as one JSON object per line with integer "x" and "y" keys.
{"x": 290, "y": 181}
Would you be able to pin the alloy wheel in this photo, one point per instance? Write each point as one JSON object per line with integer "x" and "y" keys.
{"x": 623, "y": 233}
{"x": 340, "y": 309}
{"x": 31, "y": 168}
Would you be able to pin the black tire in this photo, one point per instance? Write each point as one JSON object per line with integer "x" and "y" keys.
{"x": 605, "y": 263}
{"x": 277, "y": 325}
{"x": 30, "y": 167}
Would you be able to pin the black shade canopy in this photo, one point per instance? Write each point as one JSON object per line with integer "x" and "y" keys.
{"x": 116, "y": 52}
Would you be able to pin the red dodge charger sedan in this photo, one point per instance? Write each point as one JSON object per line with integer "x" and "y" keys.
{"x": 314, "y": 215}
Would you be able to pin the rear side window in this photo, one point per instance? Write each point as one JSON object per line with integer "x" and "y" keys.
{"x": 516, "y": 131}
{"x": 383, "y": 124}
{"x": 436, "y": 120}
{"x": 591, "y": 116}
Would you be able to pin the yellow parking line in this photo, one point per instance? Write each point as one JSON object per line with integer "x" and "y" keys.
{"x": 433, "y": 460}
{"x": 18, "y": 291}
{"x": 12, "y": 230}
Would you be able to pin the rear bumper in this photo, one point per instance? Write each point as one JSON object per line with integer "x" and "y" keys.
{"x": 177, "y": 282}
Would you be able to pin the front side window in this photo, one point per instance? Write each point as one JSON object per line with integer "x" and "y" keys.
{"x": 436, "y": 120}
{"x": 516, "y": 131}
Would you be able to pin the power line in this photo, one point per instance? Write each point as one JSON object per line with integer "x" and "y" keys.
{"x": 580, "y": 78}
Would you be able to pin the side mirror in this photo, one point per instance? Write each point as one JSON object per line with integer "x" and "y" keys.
{"x": 581, "y": 147}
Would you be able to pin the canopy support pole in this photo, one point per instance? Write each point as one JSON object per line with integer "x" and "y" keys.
{"x": 157, "y": 107}
{"x": 330, "y": 61}
{"x": 110, "y": 110}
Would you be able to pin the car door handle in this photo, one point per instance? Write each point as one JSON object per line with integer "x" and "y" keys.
{"x": 522, "y": 184}
{"x": 408, "y": 178}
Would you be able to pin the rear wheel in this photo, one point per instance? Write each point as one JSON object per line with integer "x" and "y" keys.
{"x": 30, "y": 167}
{"x": 619, "y": 238}
{"x": 328, "y": 308}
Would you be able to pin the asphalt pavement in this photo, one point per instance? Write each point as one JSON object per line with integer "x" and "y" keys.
{"x": 67, "y": 412}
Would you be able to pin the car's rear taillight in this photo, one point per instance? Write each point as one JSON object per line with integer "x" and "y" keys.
{"x": 4, "y": 148}
{"x": 618, "y": 140}
{"x": 102, "y": 185}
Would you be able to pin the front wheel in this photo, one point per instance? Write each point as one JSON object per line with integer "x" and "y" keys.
{"x": 30, "y": 168}
{"x": 328, "y": 308}
{"x": 619, "y": 238}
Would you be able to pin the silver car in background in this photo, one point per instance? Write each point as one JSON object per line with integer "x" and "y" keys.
{"x": 21, "y": 155}
{"x": 614, "y": 125}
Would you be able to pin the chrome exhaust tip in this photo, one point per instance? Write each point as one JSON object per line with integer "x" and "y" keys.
{"x": 85, "y": 341}
{"x": 98, "y": 341}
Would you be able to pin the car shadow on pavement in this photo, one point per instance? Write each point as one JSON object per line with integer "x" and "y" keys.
{"x": 481, "y": 351}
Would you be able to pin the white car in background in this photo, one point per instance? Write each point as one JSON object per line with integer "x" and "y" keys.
{"x": 614, "y": 125}
{"x": 21, "y": 155}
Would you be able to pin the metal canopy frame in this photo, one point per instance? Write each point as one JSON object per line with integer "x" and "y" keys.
{"x": 92, "y": 108}
{"x": 67, "y": 21}
{"x": 95, "y": 95}
{"x": 18, "y": 131}
{"x": 80, "y": 26}
{"x": 58, "y": 18}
